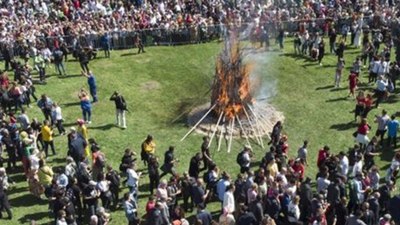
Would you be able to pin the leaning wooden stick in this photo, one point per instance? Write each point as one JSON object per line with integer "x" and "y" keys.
{"x": 202, "y": 118}
{"x": 215, "y": 130}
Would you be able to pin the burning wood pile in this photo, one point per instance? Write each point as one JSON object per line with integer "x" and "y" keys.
{"x": 233, "y": 111}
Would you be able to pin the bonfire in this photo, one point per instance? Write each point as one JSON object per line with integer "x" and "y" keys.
{"x": 233, "y": 111}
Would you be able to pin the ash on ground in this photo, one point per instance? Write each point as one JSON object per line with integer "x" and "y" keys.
{"x": 257, "y": 122}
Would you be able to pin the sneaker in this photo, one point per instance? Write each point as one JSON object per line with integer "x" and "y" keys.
{"x": 89, "y": 122}
{"x": 124, "y": 127}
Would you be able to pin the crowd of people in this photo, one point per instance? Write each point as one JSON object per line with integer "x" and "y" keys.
{"x": 85, "y": 190}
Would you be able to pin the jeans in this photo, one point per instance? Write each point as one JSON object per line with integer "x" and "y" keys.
{"x": 42, "y": 74}
{"x": 87, "y": 114}
{"x": 120, "y": 117}
{"x": 60, "y": 126}
{"x": 60, "y": 68}
{"x": 93, "y": 93}
{"x": 46, "y": 147}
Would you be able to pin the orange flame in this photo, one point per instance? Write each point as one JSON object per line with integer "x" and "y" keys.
{"x": 231, "y": 87}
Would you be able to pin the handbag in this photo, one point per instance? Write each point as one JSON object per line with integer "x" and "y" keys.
{"x": 355, "y": 134}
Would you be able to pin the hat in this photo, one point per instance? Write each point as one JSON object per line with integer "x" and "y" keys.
{"x": 387, "y": 217}
{"x": 80, "y": 121}
{"x": 23, "y": 135}
{"x": 72, "y": 129}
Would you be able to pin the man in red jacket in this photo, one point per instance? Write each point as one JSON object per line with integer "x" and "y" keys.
{"x": 323, "y": 154}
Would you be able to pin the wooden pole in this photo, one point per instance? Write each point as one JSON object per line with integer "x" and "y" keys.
{"x": 231, "y": 137}
{"x": 215, "y": 130}
{"x": 244, "y": 132}
{"x": 202, "y": 118}
{"x": 258, "y": 136}
{"x": 220, "y": 135}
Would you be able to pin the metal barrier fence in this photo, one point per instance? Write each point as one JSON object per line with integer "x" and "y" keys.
{"x": 184, "y": 35}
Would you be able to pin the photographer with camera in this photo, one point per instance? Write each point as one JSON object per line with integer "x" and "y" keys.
{"x": 120, "y": 106}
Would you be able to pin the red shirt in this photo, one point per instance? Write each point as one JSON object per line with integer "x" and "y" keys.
{"x": 353, "y": 79}
{"x": 360, "y": 100}
{"x": 298, "y": 168}
{"x": 149, "y": 206}
{"x": 363, "y": 129}
{"x": 322, "y": 156}
{"x": 368, "y": 102}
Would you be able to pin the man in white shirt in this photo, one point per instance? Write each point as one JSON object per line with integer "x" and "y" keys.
{"x": 343, "y": 164}
{"x": 222, "y": 184}
{"x": 57, "y": 118}
{"x": 133, "y": 180}
{"x": 229, "y": 199}
{"x": 382, "y": 121}
{"x": 357, "y": 168}
{"x": 322, "y": 183}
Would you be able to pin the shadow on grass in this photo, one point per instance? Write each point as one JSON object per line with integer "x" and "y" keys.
{"x": 324, "y": 87}
{"x": 128, "y": 54}
{"x": 337, "y": 99}
{"x": 27, "y": 200}
{"x": 343, "y": 126}
{"x": 338, "y": 89}
{"x": 68, "y": 104}
{"x": 103, "y": 127}
{"x": 182, "y": 110}
{"x": 33, "y": 216}
{"x": 16, "y": 190}
{"x": 69, "y": 76}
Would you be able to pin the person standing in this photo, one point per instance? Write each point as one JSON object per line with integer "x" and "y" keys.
{"x": 393, "y": 127}
{"x": 194, "y": 166}
{"x": 92, "y": 84}
{"x": 58, "y": 57}
{"x": 381, "y": 88}
{"x": 148, "y": 148}
{"x": 86, "y": 106}
{"x": 154, "y": 176}
{"x": 120, "y": 107}
{"x": 105, "y": 41}
{"x": 382, "y": 121}
{"x": 321, "y": 51}
{"x": 40, "y": 65}
{"x": 57, "y": 118}
{"x": 4, "y": 204}
{"x": 352, "y": 84}
{"x": 130, "y": 207}
{"x": 45, "y": 104}
{"x": 47, "y": 137}
{"x": 84, "y": 59}
{"x": 139, "y": 44}
{"x": 339, "y": 70}
{"x": 169, "y": 162}
{"x": 205, "y": 151}
{"x": 244, "y": 159}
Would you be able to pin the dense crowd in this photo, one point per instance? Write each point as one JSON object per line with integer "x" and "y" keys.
{"x": 349, "y": 188}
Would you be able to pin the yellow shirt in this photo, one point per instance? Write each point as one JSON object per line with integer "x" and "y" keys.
{"x": 150, "y": 148}
{"x": 47, "y": 133}
{"x": 45, "y": 175}
{"x": 82, "y": 130}
{"x": 273, "y": 169}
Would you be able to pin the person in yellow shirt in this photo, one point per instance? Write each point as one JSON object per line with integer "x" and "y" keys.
{"x": 148, "y": 148}
{"x": 45, "y": 174}
{"x": 83, "y": 131}
{"x": 47, "y": 137}
{"x": 272, "y": 167}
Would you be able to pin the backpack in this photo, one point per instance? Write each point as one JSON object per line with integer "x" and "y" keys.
{"x": 240, "y": 158}
{"x": 114, "y": 179}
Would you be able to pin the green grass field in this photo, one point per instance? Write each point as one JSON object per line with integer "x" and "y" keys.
{"x": 162, "y": 85}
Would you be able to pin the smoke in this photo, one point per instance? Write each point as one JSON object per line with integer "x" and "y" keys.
{"x": 263, "y": 84}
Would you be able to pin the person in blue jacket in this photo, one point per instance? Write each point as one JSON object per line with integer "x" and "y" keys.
{"x": 91, "y": 79}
